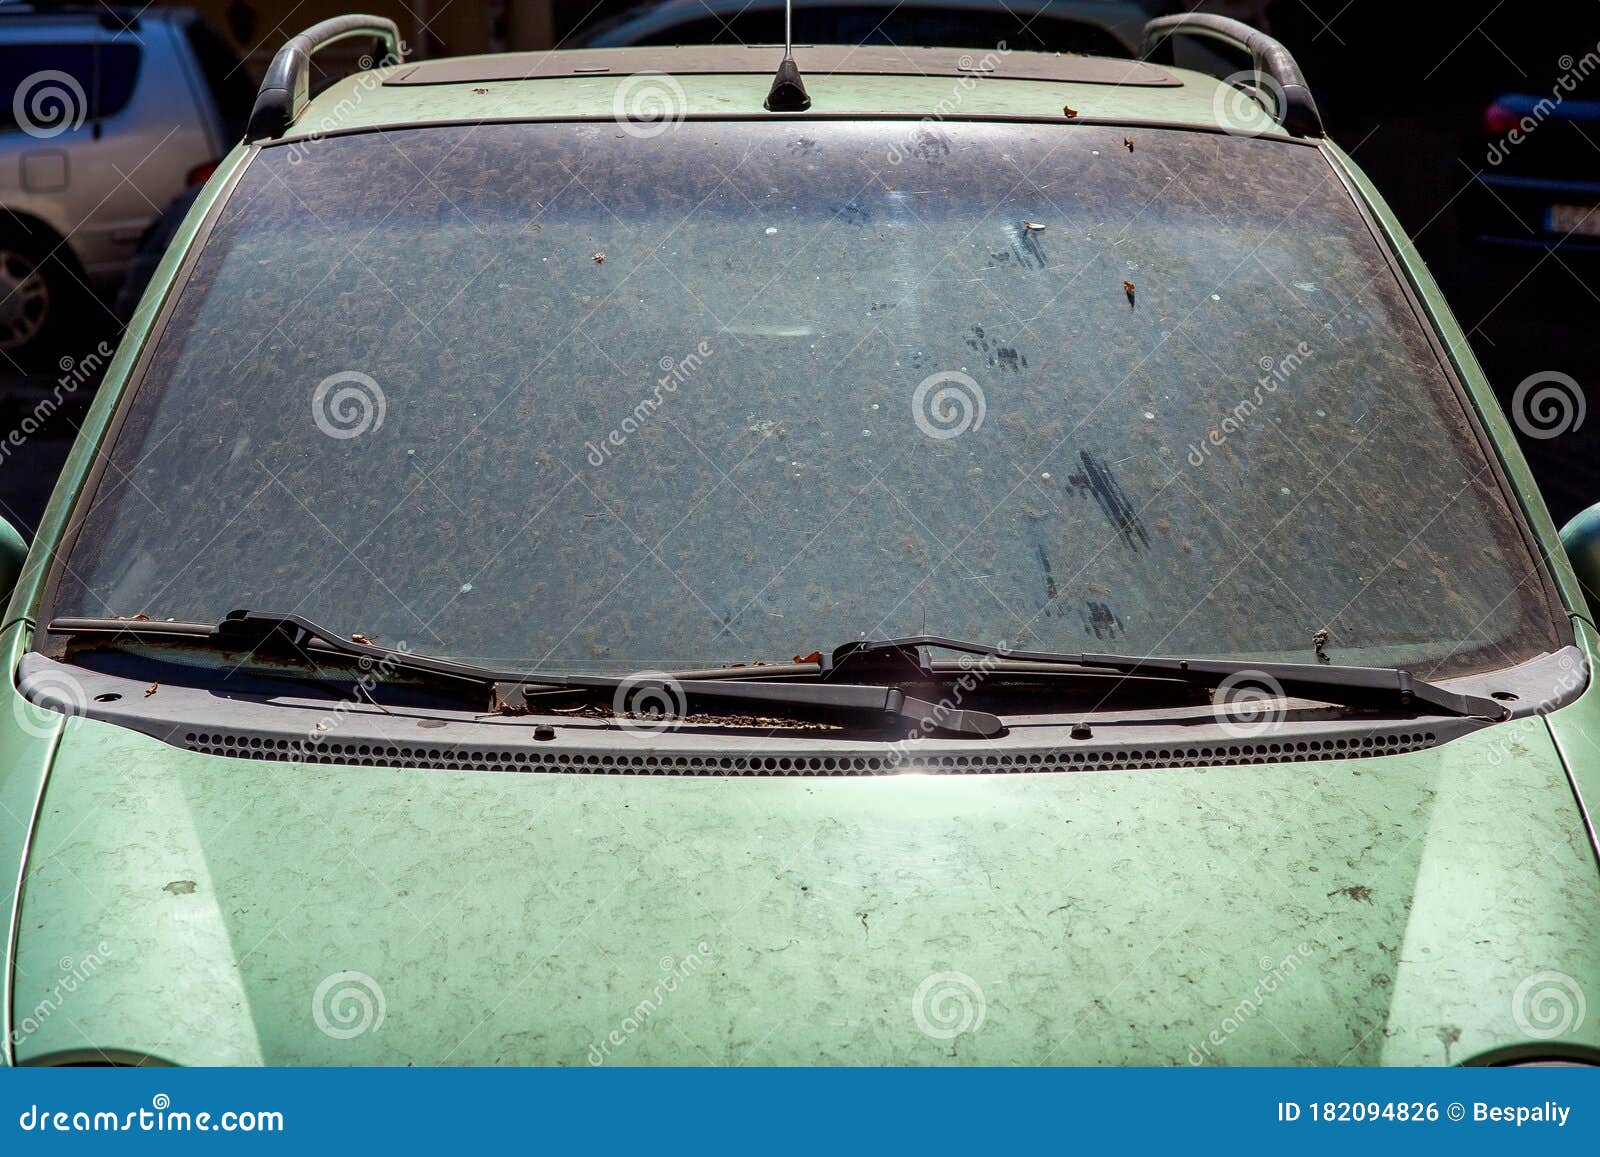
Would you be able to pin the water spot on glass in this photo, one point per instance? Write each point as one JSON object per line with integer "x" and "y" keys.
{"x": 771, "y": 230}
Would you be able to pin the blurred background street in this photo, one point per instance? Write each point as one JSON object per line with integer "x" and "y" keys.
{"x": 1479, "y": 121}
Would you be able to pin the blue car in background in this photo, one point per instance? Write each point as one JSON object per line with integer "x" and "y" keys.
{"x": 1539, "y": 184}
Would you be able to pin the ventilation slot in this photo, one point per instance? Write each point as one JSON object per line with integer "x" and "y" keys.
{"x": 438, "y": 758}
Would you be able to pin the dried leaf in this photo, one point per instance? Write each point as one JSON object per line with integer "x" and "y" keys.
{"x": 1033, "y": 226}
{"x": 814, "y": 657}
{"x": 1127, "y": 287}
{"x": 150, "y": 690}
{"x": 1068, "y": 110}
{"x": 599, "y": 258}
{"x": 361, "y": 639}
{"x": 1128, "y": 143}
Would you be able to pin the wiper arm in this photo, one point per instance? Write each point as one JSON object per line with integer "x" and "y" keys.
{"x": 292, "y": 637}
{"x": 1385, "y": 688}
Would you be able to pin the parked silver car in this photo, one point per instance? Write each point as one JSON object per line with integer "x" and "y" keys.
{"x": 105, "y": 116}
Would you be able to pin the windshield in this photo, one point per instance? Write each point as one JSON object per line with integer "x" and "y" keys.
{"x": 576, "y": 398}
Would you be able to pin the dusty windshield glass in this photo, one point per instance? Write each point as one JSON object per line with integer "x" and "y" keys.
{"x": 559, "y": 395}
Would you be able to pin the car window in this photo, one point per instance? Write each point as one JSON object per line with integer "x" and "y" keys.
{"x": 563, "y": 395}
{"x": 229, "y": 84}
{"x": 890, "y": 24}
{"x": 99, "y": 82}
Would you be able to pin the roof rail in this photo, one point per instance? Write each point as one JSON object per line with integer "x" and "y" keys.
{"x": 286, "y": 88}
{"x": 1295, "y": 109}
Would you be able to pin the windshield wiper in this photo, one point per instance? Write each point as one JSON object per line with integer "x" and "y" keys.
{"x": 283, "y": 636}
{"x": 1380, "y": 688}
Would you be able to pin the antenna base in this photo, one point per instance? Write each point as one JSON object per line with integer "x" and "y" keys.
{"x": 788, "y": 93}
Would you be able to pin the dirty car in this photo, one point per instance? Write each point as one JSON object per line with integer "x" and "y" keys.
{"x": 1011, "y": 565}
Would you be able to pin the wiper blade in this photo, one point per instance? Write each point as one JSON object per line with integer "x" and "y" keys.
{"x": 292, "y": 637}
{"x": 1383, "y": 688}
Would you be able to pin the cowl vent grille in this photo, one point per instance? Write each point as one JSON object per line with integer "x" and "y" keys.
{"x": 435, "y": 757}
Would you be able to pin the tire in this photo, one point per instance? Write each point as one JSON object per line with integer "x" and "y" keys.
{"x": 35, "y": 292}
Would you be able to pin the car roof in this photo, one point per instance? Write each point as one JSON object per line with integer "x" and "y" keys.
{"x": 732, "y": 82}
{"x": 30, "y": 21}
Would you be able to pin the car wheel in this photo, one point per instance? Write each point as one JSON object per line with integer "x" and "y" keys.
{"x": 31, "y": 292}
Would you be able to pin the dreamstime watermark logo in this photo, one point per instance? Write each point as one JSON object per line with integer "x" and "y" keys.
{"x": 1572, "y": 673}
{"x": 51, "y": 694}
{"x": 1273, "y": 975}
{"x": 647, "y": 104}
{"x": 1547, "y": 405}
{"x": 336, "y": 117}
{"x": 373, "y": 672}
{"x": 675, "y": 372}
{"x": 1275, "y": 372}
{"x": 75, "y": 373}
{"x": 1237, "y": 104}
{"x": 974, "y": 670}
{"x": 948, "y": 404}
{"x": 1247, "y": 703}
{"x": 49, "y": 103}
{"x": 348, "y": 404}
{"x": 1547, "y": 1005}
{"x": 948, "y": 1004}
{"x": 649, "y": 703}
{"x": 675, "y": 971}
{"x": 348, "y": 1004}
{"x": 1573, "y": 73}
{"x": 919, "y": 141}
{"x": 73, "y": 973}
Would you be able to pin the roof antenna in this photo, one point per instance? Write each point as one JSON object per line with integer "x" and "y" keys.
{"x": 788, "y": 94}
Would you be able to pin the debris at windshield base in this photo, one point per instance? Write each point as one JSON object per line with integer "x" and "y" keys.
{"x": 151, "y": 690}
{"x": 1068, "y": 110}
{"x": 1319, "y": 643}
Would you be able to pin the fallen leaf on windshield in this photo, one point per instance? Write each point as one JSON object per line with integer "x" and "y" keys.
{"x": 1068, "y": 110}
{"x": 1128, "y": 143}
{"x": 599, "y": 258}
{"x": 1127, "y": 287}
{"x": 1032, "y": 226}
{"x": 814, "y": 657}
{"x": 150, "y": 690}
{"x": 361, "y": 639}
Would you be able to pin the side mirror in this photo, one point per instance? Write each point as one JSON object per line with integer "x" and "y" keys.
{"x": 13, "y": 553}
{"x": 1581, "y": 540}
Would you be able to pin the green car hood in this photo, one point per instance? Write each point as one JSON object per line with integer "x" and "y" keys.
{"x": 1401, "y": 909}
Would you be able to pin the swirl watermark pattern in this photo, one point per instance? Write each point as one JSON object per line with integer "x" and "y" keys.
{"x": 649, "y": 703}
{"x": 51, "y": 694}
{"x": 49, "y": 103}
{"x": 1547, "y": 1005}
{"x": 647, "y": 104}
{"x": 948, "y": 1004}
{"x": 348, "y": 404}
{"x": 1237, "y": 104}
{"x": 1247, "y": 703}
{"x": 348, "y": 1004}
{"x": 948, "y": 404}
{"x": 674, "y": 971}
{"x": 1547, "y": 405}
